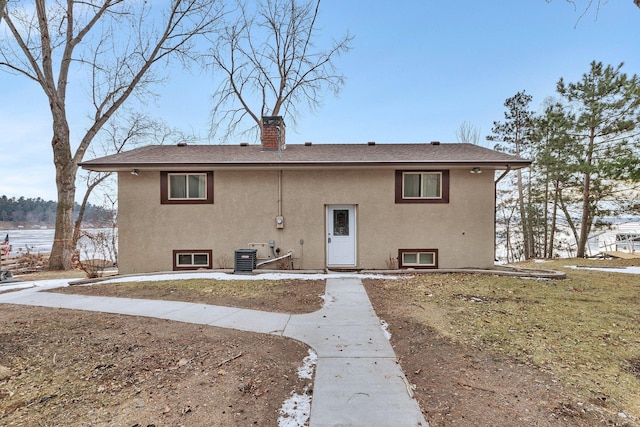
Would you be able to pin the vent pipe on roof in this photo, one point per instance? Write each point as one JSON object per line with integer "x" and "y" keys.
{"x": 308, "y": 144}
{"x": 244, "y": 144}
{"x": 435, "y": 142}
{"x": 371, "y": 143}
{"x": 182, "y": 144}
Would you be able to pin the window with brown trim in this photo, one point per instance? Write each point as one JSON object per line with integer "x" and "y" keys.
{"x": 422, "y": 186}
{"x": 186, "y": 188}
{"x": 418, "y": 258}
{"x": 188, "y": 259}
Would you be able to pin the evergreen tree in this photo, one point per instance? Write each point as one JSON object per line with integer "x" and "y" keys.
{"x": 513, "y": 137}
{"x": 552, "y": 167}
{"x": 605, "y": 105}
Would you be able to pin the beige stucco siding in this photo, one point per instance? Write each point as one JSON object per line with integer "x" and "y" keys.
{"x": 246, "y": 205}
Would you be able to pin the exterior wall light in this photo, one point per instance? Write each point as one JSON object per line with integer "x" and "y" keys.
{"x": 476, "y": 170}
{"x": 134, "y": 172}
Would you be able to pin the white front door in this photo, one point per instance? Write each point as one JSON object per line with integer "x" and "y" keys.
{"x": 341, "y": 235}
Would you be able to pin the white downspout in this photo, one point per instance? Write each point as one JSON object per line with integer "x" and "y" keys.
{"x": 495, "y": 208}
{"x": 280, "y": 192}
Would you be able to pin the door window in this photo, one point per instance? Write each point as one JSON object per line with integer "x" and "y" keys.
{"x": 341, "y": 222}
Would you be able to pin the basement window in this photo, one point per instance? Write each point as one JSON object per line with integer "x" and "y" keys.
{"x": 186, "y": 187}
{"x": 418, "y": 258}
{"x": 191, "y": 259}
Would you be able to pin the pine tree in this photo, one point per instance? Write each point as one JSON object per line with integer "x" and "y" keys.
{"x": 513, "y": 137}
{"x": 605, "y": 105}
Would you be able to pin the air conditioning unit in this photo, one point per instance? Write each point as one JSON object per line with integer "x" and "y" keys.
{"x": 244, "y": 261}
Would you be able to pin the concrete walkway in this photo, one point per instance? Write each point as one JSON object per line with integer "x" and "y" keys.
{"x": 358, "y": 381}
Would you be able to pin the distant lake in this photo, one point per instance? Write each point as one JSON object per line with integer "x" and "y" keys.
{"x": 36, "y": 240}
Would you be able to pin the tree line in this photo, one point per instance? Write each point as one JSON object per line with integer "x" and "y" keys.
{"x": 22, "y": 210}
{"x": 585, "y": 147}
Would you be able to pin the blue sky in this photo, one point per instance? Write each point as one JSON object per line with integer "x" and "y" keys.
{"x": 418, "y": 69}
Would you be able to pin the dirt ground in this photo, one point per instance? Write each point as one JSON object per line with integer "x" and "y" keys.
{"x": 463, "y": 386}
{"x": 71, "y": 368}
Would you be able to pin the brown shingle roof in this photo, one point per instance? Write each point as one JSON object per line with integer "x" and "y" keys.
{"x": 300, "y": 156}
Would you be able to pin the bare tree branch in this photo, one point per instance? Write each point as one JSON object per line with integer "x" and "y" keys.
{"x": 120, "y": 43}
{"x": 468, "y": 133}
{"x": 129, "y": 130}
{"x": 590, "y": 4}
{"x": 271, "y": 64}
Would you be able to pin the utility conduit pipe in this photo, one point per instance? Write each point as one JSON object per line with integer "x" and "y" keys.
{"x": 269, "y": 261}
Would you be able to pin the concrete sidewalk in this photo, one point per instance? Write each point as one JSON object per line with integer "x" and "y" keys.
{"x": 358, "y": 381}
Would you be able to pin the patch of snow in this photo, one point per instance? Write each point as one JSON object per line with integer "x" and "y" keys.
{"x": 308, "y": 365}
{"x": 15, "y": 285}
{"x": 295, "y": 410}
{"x": 328, "y": 299}
{"x": 53, "y": 283}
{"x": 540, "y": 261}
{"x": 57, "y": 283}
{"x": 627, "y": 270}
{"x": 385, "y": 329}
{"x": 258, "y": 276}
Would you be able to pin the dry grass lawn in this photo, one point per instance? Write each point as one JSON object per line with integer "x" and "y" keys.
{"x": 581, "y": 334}
{"x": 585, "y": 329}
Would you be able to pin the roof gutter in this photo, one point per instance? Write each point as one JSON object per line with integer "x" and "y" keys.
{"x": 107, "y": 167}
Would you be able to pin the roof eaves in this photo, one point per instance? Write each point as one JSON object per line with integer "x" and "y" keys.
{"x": 118, "y": 166}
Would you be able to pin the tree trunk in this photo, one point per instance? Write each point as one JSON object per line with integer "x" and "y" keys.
{"x": 552, "y": 231}
{"x": 66, "y": 168}
{"x": 584, "y": 219}
{"x": 63, "y": 247}
{"x": 585, "y": 223}
{"x": 545, "y": 218}
{"x": 567, "y": 216}
{"x": 524, "y": 223}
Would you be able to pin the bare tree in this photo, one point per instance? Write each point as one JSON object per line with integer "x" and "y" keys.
{"x": 128, "y": 131}
{"x": 592, "y": 3}
{"x": 468, "y": 133}
{"x": 3, "y": 4}
{"x": 114, "y": 48}
{"x": 271, "y": 63}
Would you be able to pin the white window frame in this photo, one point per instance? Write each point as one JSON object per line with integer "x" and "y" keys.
{"x": 178, "y": 254}
{"x": 417, "y": 253}
{"x": 187, "y": 175}
{"x": 421, "y": 196}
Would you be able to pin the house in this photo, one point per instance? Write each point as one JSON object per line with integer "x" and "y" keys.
{"x": 355, "y": 206}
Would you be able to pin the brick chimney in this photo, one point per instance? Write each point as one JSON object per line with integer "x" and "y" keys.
{"x": 273, "y": 132}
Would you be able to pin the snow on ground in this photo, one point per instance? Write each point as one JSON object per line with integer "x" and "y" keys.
{"x": 258, "y": 276}
{"x": 627, "y": 270}
{"x": 308, "y": 365}
{"x": 296, "y": 409}
{"x": 57, "y": 283}
{"x": 385, "y": 329}
{"x": 194, "y": 275}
